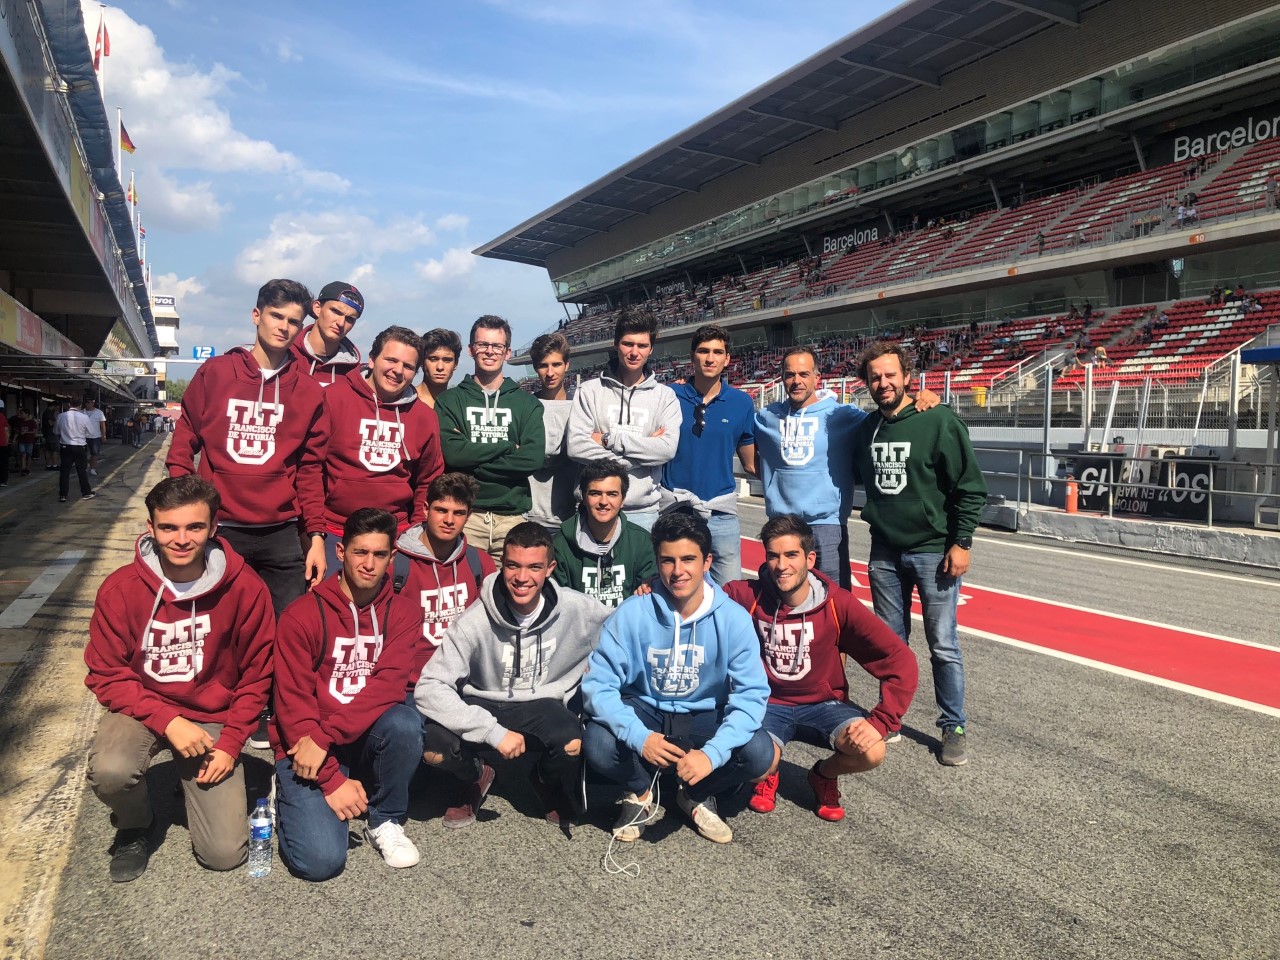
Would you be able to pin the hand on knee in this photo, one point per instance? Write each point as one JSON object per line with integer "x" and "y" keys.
{"x": 573, "y": 748}
{"x": 432, "y": 758}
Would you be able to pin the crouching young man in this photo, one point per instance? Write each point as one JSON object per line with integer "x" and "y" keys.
{"x": 504, "y": 679}
{"x": 676, "y": 684}
{"x": 346, "y": 741}
{"x": 180, "y": 655}
{"x": 805, "y": 622}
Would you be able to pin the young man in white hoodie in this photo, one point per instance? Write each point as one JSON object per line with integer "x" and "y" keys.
{"x": 552, "y": 488}
{"x": 504, "y": 679}
{"x": 626, "y": 415}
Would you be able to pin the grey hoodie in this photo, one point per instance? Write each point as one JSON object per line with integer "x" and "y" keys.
{"x": 485, "y": 655}
{"x": 552, "y": 487}
{"x": 627, "y": 416}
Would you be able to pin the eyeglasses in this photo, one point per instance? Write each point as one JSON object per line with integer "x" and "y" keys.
{"x": 480, "y": 346}
{"x": 699, "y": 419}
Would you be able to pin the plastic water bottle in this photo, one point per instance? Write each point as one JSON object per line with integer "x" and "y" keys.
{"x": 260, "y": 839}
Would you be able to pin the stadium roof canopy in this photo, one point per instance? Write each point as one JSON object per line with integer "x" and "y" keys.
{"x": 915, "y": 44}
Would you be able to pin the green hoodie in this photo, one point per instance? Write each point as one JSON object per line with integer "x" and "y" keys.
{"x": 499, "y": 440}
{"x": 924, "y": 487}
{"x": 609, "y": 572}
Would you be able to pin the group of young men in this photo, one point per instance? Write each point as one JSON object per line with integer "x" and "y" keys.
{"x": 329, "y": 561}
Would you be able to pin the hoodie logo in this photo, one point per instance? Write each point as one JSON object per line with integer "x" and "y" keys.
{"x": 251, "y": 430}
{"x": 380, "y": 442}
{"x": 786, "y": 648}
{"x": 605, "y": 584}
{"x": 353, "y": 660}
{"x": 796, "y": 435}
{"x": 890, "y": 463}
{"x": 440, "y": 608}
{"x": 637, "y": 424}
{"x": 174, "y": 652}
{"x": 488, "y": 424}
{"x": 676, "y": 675}
{"x": 535, "y": 651}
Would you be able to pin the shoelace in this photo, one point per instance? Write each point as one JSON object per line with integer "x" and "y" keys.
{"x": 608, "y": 863}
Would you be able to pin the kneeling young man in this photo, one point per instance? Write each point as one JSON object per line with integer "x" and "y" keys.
{"x": 676, "y": 684}
{"x": 345, "y": 738}
{"x": 805, "y": 622}
{"x": 504, "y": 677}
{"x": 598, "y": 550}
{"x": 180, "y": 655}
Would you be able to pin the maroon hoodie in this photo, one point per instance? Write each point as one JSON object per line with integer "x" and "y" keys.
{"x": 443, "y": 588}
{"x": 338, "y": 673}
{"x": 205, "y": 655}
{"x": 261, "y": 442}
{"x": 801, "y": 648}
{"x": 328, "y": 370}
{"x": 381, "y": 455}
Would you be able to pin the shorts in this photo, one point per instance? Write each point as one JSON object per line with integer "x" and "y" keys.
{"x": 820, "y": 721}
{"x": 95, "y": 446}
{"x": 24, "y": 449}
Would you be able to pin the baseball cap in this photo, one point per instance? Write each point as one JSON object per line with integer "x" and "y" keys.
{"x": 345, "y": 292}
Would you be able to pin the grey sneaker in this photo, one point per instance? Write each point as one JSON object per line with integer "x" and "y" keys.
{"x": 634, "y": 816}
{"x": 706, "y": 817}
{"x": 953, "y": 752}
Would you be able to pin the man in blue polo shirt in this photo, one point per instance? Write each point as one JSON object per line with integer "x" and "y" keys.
{"x": 718, "y": 420}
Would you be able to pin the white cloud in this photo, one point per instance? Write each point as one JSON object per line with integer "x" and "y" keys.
{"x": 189, "y": 207}
{"x": 362, "y": 273}
{"x": 453, "y": 221}
{"x": 285, "y": 51}
{"x": 169, "y": 284}
{"x": 453, "y": 264}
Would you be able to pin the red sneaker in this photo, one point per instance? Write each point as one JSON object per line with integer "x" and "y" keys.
{"x": 828, "y": 794}
{"x": 765, "y": 796}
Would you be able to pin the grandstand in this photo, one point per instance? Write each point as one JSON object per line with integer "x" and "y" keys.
{"x": 964, "y": 176}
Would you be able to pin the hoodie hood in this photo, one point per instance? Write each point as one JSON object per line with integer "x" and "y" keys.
{"x": 220, "y": 565}
{"x": 326, "y": 370}
{"x": 408, "y": 395}
{"x": 413, "y": 542}
{"x": 348, "y": 614}
{"x": 578, "y": 532}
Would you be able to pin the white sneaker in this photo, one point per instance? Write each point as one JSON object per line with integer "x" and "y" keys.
{"x": 706, "y": 817}
{"x": 92, "y": 472}
{"x": 895, "y": 737}
{"x": 389, "y": 840}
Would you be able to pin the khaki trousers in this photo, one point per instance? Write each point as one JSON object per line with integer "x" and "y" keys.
{"x": 488, "y": 532}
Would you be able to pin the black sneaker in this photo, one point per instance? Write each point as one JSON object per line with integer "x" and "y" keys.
{"x": 953, "y": 752}
{"x": 260, "y": 739}
{"x": 636, "y": 814}
{"x": 130, "y": 854}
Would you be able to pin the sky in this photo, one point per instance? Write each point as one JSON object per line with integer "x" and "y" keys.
{"x": 381, "y": 144}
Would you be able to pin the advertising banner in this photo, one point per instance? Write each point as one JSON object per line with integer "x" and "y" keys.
{"x": 1171, "y": 489}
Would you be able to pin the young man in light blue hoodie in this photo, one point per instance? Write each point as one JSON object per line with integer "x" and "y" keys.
{"x": 676, "y": 685}
{"x": 804, "y": 452}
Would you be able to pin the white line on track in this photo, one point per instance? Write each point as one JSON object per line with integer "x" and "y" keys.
{"x": 33, "y": 598}
{"x": 1163, "y": 567}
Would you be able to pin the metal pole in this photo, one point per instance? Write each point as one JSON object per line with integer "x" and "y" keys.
{"x": 1087, "y": 413}
{"x": 1233, "y": 402}
{"x": 946, "y": 387}
{"x": 1111, "y": 409}
{"x": 1204, "y": 391}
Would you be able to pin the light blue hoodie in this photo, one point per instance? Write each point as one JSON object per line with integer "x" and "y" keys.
{"x": 709, "y": 661}
{"x": 806, "y": 458}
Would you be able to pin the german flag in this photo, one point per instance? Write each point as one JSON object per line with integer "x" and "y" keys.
{"x": 126, "y": 142}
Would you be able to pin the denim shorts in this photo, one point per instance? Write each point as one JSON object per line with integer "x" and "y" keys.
{"x": 815, "y": 722}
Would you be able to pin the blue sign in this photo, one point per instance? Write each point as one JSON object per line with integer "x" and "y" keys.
{"x": 202, "y": 353}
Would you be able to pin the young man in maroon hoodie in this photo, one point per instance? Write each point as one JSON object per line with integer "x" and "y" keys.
{"x": 345, "y": 740}
{"x": 384, "y": 446}
{"x": 434, "y": 563}
{"x": 261, "y": 428}
{"x": 805, "y": 624}
{"x": 323, "y": 350}
{"x": 179, "y": 653}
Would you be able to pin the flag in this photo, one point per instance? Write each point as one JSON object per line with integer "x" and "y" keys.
{"x": 126, "y": 142}
{"x": 142, "y": 231}
{"x": 101, "y": 44}
{"x": 131, "y": 197}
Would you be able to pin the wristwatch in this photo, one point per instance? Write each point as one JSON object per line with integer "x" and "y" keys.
{"x": 964, "y": 543}
{"x": 318, "y": 533}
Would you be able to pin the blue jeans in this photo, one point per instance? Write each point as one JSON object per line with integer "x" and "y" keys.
{"x": 313, "y": 841}
{"x": 726, "y": 547}
{"x": 818, "y": 720}
{"x": 831, "y": 540}
{"x": 617, "y": 762}
{"x": 644, "y": 519}
{"x": 893, "y": 574}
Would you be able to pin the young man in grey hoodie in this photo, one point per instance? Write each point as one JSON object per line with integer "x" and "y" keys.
{"x": 551, "y": 488}
{"x": 504, "y": 677}
{"x": 627, "y": 415}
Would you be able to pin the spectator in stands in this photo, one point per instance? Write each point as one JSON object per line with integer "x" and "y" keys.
{"x": 628, "y": 416}
{"x": 322, "y": 349}
{"x": 717, "y": 420}
{"x": 441, "y": 351}
{"x": 1040, "y": 240}
{"x": 1100, "y": 356}
{"x": 493, "y": 430}
{"x": 1061, "y": 329}
{"x": 180, "y": 654}
{"x": 1086, "y": 312}
{"x": 551, "y": 488}
{"x": 1215, "y": 296}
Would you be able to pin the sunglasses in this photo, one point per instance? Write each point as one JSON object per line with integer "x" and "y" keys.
{"x": 699, "y": 419}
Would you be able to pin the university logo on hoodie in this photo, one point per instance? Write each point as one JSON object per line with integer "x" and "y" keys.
{"x": 174, "y": 652}
{"x": 675, "y": 670}
{"x": 251, "y": 430}
{"x": 605, "y": 583}
{"x": 532, "y": 661}
{"x": 796, "y": 436}
{"x": 488, "y": 424}
{"x": 890, "y": 463}
{"x": 786, "y": 648}
{"x": 353, "y": 660}
{"x": 636, "y": 425}
{"x": 380, "y": 443}
{"x": 440, "y": 608}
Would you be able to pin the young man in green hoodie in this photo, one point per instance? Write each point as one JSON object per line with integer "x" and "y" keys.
{"x": 925, "y": 493}
{"x": 493, "y": 430}
{"x": 599, "y": 551}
